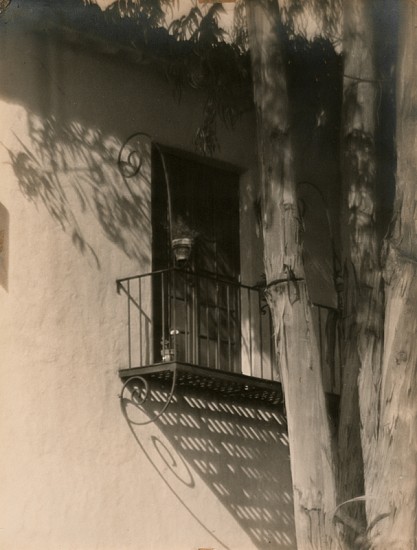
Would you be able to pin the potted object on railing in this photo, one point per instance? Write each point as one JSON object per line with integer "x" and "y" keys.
{"x": 183, "y": 238}
{"x": 168, "y": 347}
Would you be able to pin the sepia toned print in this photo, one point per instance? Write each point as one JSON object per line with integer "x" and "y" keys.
{"x": 207, "y": 275}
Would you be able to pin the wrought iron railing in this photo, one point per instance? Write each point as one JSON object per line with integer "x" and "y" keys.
{"x": 199, "y": 319}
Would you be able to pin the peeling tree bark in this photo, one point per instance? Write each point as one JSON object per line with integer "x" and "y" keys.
{"x": 363, "y": 297}
{"x": 392, "y": 480}
{"x": 296, "y": 343}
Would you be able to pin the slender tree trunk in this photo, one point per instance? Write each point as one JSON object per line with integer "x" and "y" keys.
{"x": 392, "y": 481}
{"x": 363, "y": 304}
{"x": 296, "y": 343}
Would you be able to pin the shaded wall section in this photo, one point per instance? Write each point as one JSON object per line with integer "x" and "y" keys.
{"x": 227, "y": 444}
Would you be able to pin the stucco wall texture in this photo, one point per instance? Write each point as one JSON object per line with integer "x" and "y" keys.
{"x": 76, "y": 473}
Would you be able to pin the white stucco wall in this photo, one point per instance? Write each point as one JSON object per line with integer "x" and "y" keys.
{"x": 74, "y": 473}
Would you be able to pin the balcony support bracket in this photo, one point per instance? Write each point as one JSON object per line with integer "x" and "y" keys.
{"x": 140, "y": 391}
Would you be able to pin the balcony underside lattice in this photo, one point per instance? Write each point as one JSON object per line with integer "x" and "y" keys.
{"x": 207, "y": 380}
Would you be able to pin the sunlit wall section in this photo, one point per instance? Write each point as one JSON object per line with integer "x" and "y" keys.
{"x": 77, "y": 472}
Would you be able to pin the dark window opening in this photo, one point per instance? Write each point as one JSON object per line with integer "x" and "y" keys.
{"x": 197, "y": 311}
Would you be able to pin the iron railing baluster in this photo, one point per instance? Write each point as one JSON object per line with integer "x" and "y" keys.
{"x": 186, "y": 320}
{"x": 196, "y": 318}
{"x": 271, "y": 343}
{"x": 229, "y": 345}
{"x": 207, "y": 323}
{"x": 250, "y": 332}
{"x": 217, "y": 310}
{"x": 239, "y": 326}
{"x": 172, "y": 329}
{"x": 129, "y": 338}
{"x": 140, "y": 321}
{"x": 164, "y": 339}
{"x": 261, "y": 347}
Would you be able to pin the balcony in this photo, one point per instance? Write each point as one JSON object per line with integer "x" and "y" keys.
{"x": 211, "y": 334}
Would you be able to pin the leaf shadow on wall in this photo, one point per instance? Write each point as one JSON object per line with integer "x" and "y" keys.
{"x": 238, "y": 450}
{"x": 72, "y": 171}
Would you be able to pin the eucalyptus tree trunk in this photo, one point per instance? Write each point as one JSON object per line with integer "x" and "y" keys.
{"x": 295, "y": 339}
{"x": 363, "y": 298}
{"x": 392, "y": 483}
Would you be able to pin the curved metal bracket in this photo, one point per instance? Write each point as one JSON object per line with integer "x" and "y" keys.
{"x": 140, "y": 394}
{"x": 132, "y": 165}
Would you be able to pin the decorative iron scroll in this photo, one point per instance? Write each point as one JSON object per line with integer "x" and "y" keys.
{"x": 130, "y": 162}
{"x": 140, "y": 391}
{"x": 130, "y": 156}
